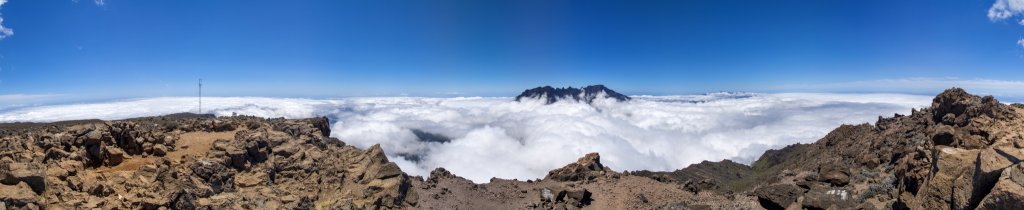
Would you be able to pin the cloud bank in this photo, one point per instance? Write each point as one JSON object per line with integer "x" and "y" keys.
{"x": 497, "y": 137}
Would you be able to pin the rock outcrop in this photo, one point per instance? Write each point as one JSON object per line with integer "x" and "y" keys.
{"x": 189, "y": 161}
{"x": 587, "y": 94}
{"x": 588, "y": 167}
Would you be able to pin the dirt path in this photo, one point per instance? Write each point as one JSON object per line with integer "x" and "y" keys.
{"x": 197, "y": 143}
{"x": 191, "y": 143}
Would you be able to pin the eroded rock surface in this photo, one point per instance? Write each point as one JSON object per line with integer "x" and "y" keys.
{"x": 194, "y": 162}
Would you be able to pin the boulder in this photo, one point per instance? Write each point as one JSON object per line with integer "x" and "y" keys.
{"x": 94, "y": 154}
{"x": 159, "y": 150}
{"x": 215, "y": 174}
{"x": 961, "y": 178}
{"x": 440, "y": 173}
{"x": 378, "y": 166}
{"x": 168, "y": 140}
{"x": 836, "y": 177}
{"x": 92, "y": 137}
{"x": 588, "y": 167}
{"x": 17, "y": 195}
{"x": 114, "y": 156}
{"x": 778, "y": 196}
{"x": 1008, "y": 192}
{"x": 575, "y": 197}
{"x": 32, "y": 174}
{"x": 237, "y": 157}
{"x": 957, "y": 107}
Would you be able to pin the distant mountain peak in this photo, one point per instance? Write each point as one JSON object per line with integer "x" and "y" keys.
{"x": 586, "y": 94}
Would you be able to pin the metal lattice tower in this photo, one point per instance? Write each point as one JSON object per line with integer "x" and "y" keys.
{"x": 200, "y": 96}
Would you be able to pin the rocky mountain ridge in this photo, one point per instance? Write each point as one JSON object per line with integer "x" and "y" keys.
{"x": 586, "y": 94}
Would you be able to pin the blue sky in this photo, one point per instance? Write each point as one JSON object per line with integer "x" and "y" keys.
{"x": 85, "y": 49}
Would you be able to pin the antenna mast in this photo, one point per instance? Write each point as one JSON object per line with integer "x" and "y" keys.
{"x": 200, "y": 96}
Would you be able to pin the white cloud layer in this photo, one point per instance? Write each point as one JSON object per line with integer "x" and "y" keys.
{"x": 497, "y": 137}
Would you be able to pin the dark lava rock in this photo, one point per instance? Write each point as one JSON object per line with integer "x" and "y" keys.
{"x": 835, "y": 177}
{"x": 586, "y": 94}
{"x": 31, "y": 173}
{"x": 778, "y": 196}
{"x": 106, "y": 165}
{"x": 956, "y": 107}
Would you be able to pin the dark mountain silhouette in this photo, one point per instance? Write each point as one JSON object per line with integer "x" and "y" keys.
{"x": 586, "y": 94}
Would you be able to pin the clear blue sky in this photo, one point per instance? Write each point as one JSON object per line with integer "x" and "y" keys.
{"x": 334, "y": 48}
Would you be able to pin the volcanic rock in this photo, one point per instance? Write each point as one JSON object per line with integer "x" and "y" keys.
{"x": 778, "y": 196}
{"x": 197, "y": 162}
{"x": 32, "y": 174}
{"x": 1008, "y": 192}
{"x": 588, "y": 167}
{"x": 18, "y": 195}
{"x": 837, "y": 177}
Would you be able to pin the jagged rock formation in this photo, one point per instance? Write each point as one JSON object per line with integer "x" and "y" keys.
{"x": 587, "y": 94}
{"x": 193, "y": 162}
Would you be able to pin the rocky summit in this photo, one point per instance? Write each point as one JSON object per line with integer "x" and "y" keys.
{"x": 586, "y": 94}
{"x": 193, "y": 162}
{"x": 962, "y": 152}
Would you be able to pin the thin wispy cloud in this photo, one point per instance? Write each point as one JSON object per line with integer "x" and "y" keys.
{"x": 4, "y": 31}
{"x": 97, "y": 2}
{"x": 917, "y": 85}
{"x": 26, "y": 97}
{"x": 9, "y": 101}
{"x": 498, "y": 137}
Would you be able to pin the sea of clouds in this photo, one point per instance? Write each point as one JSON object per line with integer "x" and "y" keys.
{"x": 498, "y": 137}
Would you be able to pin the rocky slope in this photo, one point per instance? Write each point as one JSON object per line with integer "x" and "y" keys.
{"x": 963, "y": 152}
{"x": 586, "y": 94}
{"x": 193, "y": 162}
